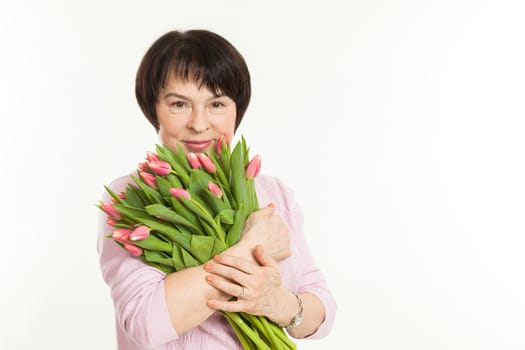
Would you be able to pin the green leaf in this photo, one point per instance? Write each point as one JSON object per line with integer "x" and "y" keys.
{"x": 158, "y": 257}
{"x": 181, "y": 156}
{"x": 152, "y": 194}
{"x": 167, "y": 155}
{"x": 139, "y": 193}
{"x": 220, "y": 174}
{"x": 238, "y": 175}
{"x": 205, "y": 247}
{"x": 182, "y": 259}
{"x": 199, "y": 191}
{"x": 234, "y": 234}
{"x": 164, "y": 186}
{"x": 225, "y": 159}
{"x": 253, "y": 203}
{"x": 132, "y": 198}
{"x": 159, "y": 210}
{"x": 226, "y": 216}
{"x": 174, "y": 181}
{"x": 122, "y": 225}
{"x": 113, "y": 195}
{"x": 180, "y": 209}
{"x": 153, "y": 243}
{"x": 141, "y": 216}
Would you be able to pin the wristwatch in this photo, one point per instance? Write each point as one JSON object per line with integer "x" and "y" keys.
{"x": 297, "y": 319}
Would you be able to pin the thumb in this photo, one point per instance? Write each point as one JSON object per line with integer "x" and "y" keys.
{"x": 267, "y": 210}
{"x": 262, "y": 258}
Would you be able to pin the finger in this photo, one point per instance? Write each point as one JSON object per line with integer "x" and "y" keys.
{"x": 236, "y": 262}
{"x": 228, "y": 306}
{"x": 224, "y": 285}
{"x": 263, "y": 259}
{"x": 231, "y": 273}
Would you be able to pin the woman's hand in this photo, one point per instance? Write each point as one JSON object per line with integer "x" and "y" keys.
{"x": 257, "y": 286}
{"x": 265, "y": 228}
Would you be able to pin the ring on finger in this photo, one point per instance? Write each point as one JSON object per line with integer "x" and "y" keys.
{"x": 242, "y": 292}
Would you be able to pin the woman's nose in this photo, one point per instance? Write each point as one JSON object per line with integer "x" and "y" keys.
{"x": 199, "y": 121}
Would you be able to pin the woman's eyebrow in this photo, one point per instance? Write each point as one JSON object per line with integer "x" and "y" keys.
{"x": 174, "y": 94}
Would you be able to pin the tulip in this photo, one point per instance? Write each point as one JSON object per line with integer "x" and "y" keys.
{"x": 152, "y": 157}
{"x": 253, "y": 168}
{"x": 149, "y": 179}
{"x": 111, "y": 211}
{"x": 111, "y": 222}
{"x": 121, "y": 234}
{"x": 143, "y": 166}
{"x": 179, "y": 193}
{"x": 216, "y": 190}
{"x": 194, "y": 161}
{"x": 139, "y": 234}
{"x": 121, "y": 195}
{"x": 133, "y": 249}
{"x": 220, "y": 141}
{"x": 206, "y": 163}
{"x": 160, "y": 167}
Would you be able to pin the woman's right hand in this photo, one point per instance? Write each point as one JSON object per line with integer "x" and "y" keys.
{"x": 265, "y": 228}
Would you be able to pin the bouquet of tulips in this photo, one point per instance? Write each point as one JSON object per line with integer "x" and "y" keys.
{"x": 183, "y": 209}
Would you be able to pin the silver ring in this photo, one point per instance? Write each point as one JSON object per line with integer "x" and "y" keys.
{"x": 242, "y": 293}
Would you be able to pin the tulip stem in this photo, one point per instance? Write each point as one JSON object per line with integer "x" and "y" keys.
{"x": 235, "y": 317}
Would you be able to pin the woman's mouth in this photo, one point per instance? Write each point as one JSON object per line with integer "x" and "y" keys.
{"x": 197, "y": 146}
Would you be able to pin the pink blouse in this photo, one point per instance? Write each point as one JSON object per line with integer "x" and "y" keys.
{"x": 137, "y": 290}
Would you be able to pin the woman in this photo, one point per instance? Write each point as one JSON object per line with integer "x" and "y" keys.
{"x": 194, "y": 87}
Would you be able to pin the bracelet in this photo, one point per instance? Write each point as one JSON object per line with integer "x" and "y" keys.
{"x": 297, "y": 319}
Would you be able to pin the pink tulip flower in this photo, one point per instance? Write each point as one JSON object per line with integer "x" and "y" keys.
{"x": 160, "y": 167}
{"x": 216, "y": 190}
{"x": 206, "y": 163}
{"x": 112, "y": 212}
{"x": 121, "y": 234}
{"x": 143, "y": 166}
{"x": 194, "y": 161}
{"x": 139, "y": 234}
{"x": 149, "y": 179}
{"x": 179, "y": 193}
{"x": 253, "y": 168}
{"x": 111, "y": 222}
{"x": 133, "y": 249}
{"x": 121, "y": 195}
{"x": 220, "y": 141}
{"x": 152, "y": 157}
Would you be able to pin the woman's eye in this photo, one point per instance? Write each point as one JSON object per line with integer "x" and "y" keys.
{"x": 177, "y": 104}
{"x": 217, "y": 104}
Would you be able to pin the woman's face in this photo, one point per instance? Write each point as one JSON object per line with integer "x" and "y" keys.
{"x": 193, "y": 118}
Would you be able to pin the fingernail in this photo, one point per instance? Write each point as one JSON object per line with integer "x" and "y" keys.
{"x": 207, "y": 266}
{"x": 209, "y": 279}
{"x": 217, "y": 258}
{"x": 271, "y": 205}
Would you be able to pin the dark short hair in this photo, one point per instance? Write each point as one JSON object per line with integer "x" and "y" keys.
{"x": 200, "y": 55}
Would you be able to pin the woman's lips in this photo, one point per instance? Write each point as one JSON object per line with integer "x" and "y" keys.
{"x": 197, "y": 146}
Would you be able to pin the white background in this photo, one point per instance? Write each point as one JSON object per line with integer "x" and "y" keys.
{"x": 399, "y": 124}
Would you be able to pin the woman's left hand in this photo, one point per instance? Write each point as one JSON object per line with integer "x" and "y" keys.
{"x": 257, "y": 287}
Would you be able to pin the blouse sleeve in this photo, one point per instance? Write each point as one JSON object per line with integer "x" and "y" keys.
{"x": 137, "y": 289}
{"x": 310, "y": 277}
